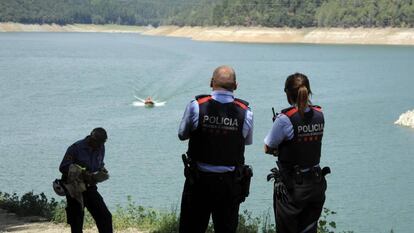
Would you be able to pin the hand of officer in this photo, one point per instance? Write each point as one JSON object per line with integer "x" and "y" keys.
{"x": 271, "y": 151}
{"x": 281, "y": 191}
{"x": 274, "y": 175}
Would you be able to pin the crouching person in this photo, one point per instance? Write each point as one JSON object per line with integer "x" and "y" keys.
{"x": 82, "y": 168}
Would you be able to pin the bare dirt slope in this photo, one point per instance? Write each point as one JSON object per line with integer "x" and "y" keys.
{"x": 11, "y": 223}
{"x": 108, "y": 28}
{"x": 380, "y": 36}
{"x": 386, "y": 36}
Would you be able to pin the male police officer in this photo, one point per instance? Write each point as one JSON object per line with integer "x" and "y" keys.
{"x": 88, "y": 154}
{"x": 218, "y": 127}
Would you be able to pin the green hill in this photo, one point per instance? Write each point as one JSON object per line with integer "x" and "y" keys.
{"x": 270, "y": 13}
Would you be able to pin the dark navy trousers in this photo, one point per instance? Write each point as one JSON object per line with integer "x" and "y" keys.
{"x": 304, "y": 206}
{"x": 95, "y": 204}
{"x": 214, "y": 194}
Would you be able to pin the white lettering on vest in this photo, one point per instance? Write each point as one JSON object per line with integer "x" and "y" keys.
{"x": 310, "y": 128}
{"x": 215, "y": 120}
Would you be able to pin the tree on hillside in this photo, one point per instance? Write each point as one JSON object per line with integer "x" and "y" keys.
{"x": 270, "y": 13}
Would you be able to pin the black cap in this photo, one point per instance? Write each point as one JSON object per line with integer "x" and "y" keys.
{"x": 99, "y": 135}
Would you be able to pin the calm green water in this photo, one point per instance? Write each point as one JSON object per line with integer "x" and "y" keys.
{"x": 56, "y": 87}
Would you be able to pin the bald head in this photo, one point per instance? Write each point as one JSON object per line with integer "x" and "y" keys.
{"x": 224, "y": 78}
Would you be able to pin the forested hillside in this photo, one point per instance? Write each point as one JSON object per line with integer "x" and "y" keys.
{"x": 270, "y": 13}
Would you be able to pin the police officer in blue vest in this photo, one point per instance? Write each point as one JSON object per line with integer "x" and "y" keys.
{"x": 218, "y": 127}
{"x": 296, "y": 140}
{"x": 88, "y": 154}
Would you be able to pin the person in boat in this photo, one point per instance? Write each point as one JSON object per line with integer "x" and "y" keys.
{"x": 148, "y": 101}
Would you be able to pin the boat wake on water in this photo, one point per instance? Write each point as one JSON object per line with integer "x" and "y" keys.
{"x": 406, "y": 119}
{"x": 148, "y": 102}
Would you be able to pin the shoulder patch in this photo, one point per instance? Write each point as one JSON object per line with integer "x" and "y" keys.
{"x": 290, "y": 111}
{"x": 317, "y": 108}
{"x": 204, "y": 99}
{"x": 242, "y": 101}
{"x": 240, "y": 104}
{"x": 286, "y": 109}
{"x": 201, "y": 96}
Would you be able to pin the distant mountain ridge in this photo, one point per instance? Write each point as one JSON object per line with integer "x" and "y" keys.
{"x": 268, "y": 13}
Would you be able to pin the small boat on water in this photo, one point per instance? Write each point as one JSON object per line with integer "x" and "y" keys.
{"x": 149, "y": 103}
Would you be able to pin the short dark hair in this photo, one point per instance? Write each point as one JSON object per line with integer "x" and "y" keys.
{"x": 99, "y": 134}
{"x": 225, "y": 77}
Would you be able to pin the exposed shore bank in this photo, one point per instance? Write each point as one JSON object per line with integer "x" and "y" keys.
{"x": 385, "y": 36}
{"x": 107, "y": 28}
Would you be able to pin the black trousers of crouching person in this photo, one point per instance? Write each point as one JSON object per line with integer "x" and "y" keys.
{"x": 95, "y": 204}
{"x": 215, "y": 194}
{"x": 301, "y": 212}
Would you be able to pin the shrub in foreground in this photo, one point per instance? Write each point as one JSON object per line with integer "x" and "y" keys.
{"x": 139, "y": 217}
{"x": 29, "y": 204}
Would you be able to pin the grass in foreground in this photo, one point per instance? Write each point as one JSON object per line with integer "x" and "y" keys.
{"x": 138, "y": 217}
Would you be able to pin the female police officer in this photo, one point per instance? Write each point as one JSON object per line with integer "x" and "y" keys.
{"x": 296, "y": 138}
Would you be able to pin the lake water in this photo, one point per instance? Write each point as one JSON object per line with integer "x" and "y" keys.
{"x": 56, "y": 87}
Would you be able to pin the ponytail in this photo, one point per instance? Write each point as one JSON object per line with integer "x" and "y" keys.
{"x": 302, "y": 99}
{"x": 297, "y": 89}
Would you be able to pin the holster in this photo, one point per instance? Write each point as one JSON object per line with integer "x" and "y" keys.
{"x": 317, "y": 174}
{"x": 190, "y": 170}
{"x": 244, "y": 174}
{"x": 287, "y": 176}
{"x": 298, "y": 175}
{"x": 325, "y": 171}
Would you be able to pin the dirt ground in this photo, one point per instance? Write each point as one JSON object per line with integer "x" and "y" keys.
{"x": 11, "y": 223}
